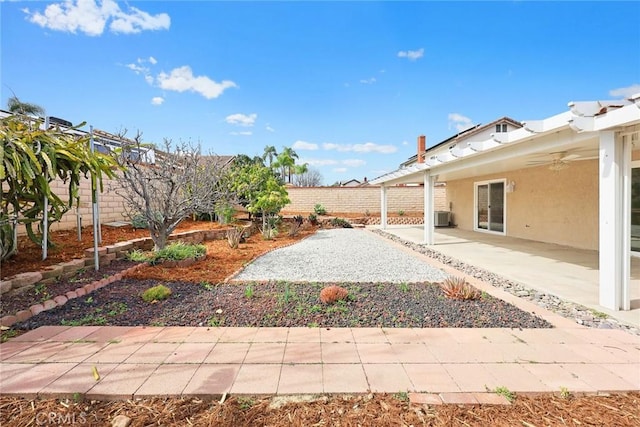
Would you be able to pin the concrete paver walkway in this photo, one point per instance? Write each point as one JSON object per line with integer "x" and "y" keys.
{"x": 453, "y": 365}
{"x": 208, "y": 362}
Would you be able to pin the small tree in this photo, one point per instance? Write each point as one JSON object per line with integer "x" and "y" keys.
{"x": 309, "y": 178}
{"x": 16, "y": 106}
{"x": 259, "y": 189}
{"x": 177, "y": 183}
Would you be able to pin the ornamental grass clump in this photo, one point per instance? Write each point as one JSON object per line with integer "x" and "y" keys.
{"x": 156, "y": 293}
{"x": 458, "y": 288}
{"x": 234, "y": 237}
{"x": 332, "y": 294}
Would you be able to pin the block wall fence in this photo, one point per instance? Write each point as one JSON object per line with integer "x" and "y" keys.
{"x": 342, "y": 200}
{"x": 358, "y": 200}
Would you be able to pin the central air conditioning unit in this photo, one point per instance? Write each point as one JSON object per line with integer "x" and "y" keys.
{"x": 441, "y": 218}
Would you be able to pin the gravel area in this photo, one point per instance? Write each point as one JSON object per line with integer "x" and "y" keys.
{"x": 284, "y": 304}
{"x": 341, "y": 255}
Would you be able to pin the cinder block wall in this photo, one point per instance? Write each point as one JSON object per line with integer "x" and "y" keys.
{"x": 358, "y": 200}
{"x": 111, "y": 204}
{"x": 355, "y": 200}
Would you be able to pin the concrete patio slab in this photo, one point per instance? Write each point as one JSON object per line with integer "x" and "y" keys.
{"x": 305, "y": 360}
{"x": 296, "y": 379}
{"x": 568, "y": 273}
{"x": 344, "y": 378}
{"x": 171, "y": 379}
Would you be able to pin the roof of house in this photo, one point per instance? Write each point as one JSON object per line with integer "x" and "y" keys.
{"x": 453, "y": 157}
{"x": 473, "y": 130}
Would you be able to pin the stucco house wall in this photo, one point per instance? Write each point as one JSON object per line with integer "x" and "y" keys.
{"x": 549, "y": 206}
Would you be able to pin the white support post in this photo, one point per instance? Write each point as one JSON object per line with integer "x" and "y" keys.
{"x": 615, "y": 224}
{"x": 428, "y": 208}
{"x": 383, "y": 206}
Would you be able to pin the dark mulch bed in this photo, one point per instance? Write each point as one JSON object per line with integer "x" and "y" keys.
{"x": 420, "y": 305}
{"x": 12, "y": 302}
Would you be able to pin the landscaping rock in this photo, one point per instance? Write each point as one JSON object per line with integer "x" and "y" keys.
{"x": 120, "y": 421}
{"x": 53, "y": 271}
{"x": 5, "y": 286}
{"x": 89, "y": 253}
{"x": 25, "y": 279}
{"x": 72, "y": 266}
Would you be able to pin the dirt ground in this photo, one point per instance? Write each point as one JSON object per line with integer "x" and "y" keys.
{"x": 620, "y": 410}
{"x": 373, "y": 410}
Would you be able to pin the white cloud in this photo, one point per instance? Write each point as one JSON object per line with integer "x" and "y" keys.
{"x": 138, "y": 69}
{"x": 243, "y": 133}
{"x": 411, "y": 55}
{"x": 304, "y": 145}
{"x": 625, "y": 92}
{"x": 340, "y": 170}
{"x": 91, "y": 17}
{"x": 319, "y": 162}
{"x": 157, "y": 100}
{"x": 153, "y": 60}
{"x": 459, "y": 122}
{"x": 367, "y": 147}
{"x": 369, "y": 81}
{"x": 240, "y": 119}
{"x": 351, "y": 163}
{"x": 354, "y": 163}
{"x": 405, "y": 142}
{"x": 182, "y": 79}
{"x": 269, "y": 128}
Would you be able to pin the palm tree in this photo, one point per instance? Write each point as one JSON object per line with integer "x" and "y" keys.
{"x": 16, "y": 106}
{"x": 269, "y": 153}
{"x": 291, "y": 157}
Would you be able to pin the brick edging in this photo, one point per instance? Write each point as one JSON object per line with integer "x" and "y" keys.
{"x": 107, "y": 254}
{"x": 60, "y": 300}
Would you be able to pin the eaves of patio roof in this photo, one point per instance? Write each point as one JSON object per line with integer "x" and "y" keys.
{"x": 576, "y": 129}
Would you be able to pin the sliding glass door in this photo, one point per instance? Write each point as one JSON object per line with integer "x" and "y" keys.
{"x": 490, "y": 206}
{"x": 635, "y": 209}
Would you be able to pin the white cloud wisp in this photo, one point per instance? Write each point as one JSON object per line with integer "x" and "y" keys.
{"x": 411, "y": 55}
{"x": 459, "y": 122}
{"x": 240, "y": 119}
{"x": 90, "y": 17}
{"x": 625, "y": 92}
{"x": 181, "y": 79}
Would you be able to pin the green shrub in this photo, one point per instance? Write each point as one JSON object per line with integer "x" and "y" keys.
{"x": 225, "y": 213}
{"x": 138, "y": 256}
{"x": 319, "y": 209}
{"x": 340, "y": 222}
{"x": 178, "y": 251}
{"x": 156, "y": 293}
{"x": 313, "y": 219}
{"x": 139, "y": 221}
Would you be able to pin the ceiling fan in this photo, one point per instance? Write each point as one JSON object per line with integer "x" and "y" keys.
{"x": 558, "y": 160}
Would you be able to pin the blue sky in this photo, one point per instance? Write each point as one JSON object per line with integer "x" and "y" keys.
{"x": 348, "y": 85}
